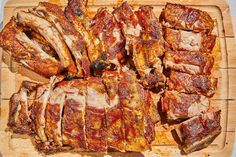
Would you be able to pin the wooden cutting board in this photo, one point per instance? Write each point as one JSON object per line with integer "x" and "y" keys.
{"x": 12, "y": 75}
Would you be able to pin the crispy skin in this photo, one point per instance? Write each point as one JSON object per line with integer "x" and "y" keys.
{"x": 19, "y": 120}
{"x": 72, "y": 38}
{"x": 53, "y": 117}
{"x": 114, "y": 113}
{"x": 182, "y": 106}
{"x": 51, "y": 34}
{"x": 197, "y": 84}
{"x": 151, "y": 28}
{"x": 106, "y": 28}
{"x": 131, "y": 28}
{"x": 184, "y": 40}
{"x": 181, "y": 17}
{"x": 199, "y": 131}
{"x": 95, "y": 120}
{"x": 189, "y": 62}
{"x": 133, "y": 113}
{"x": 73, "y": 122}
{"x": 146, "y": 59}
{"x": 27, "y": 52}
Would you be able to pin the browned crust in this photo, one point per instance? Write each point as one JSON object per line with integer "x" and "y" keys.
{"x": 114, "y": 113}
{"x": 198, "y": 84}
{"x": 189, "y": 62}
{"x": 19, "y": 120}
{"x": 9, "y": 42}
{"x": 175, "y": 38}
{"x": 198, "y": 132}
{"x": 176, "y": 105}
{"x": 106, "y": 28}
{"x": 131, "y": 93}
{"x": 78, "y": 46}
{"x": 95, "y": 119}
{"x": 35, "y": 23}
{"x": 182, "y": 17}
{"x": 73, "y": 122}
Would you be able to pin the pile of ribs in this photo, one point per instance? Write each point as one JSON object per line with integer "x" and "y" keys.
{"x": 104, "y": 71}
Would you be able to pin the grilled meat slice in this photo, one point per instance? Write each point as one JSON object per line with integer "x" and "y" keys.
{"x": 182, "y": 106}
{"x": 133, "y": 113}
{"x": 151, "y": 28}
{"x": 151, "y": 115}
{"x": 107, "y": 30}
{"x": 184, "y": 40}
{"x": 27, "y": 52}
{"x": 189, "y": 62}
{"x": 72, "y": 38}
{"x": 186, "y": 18}
{"x": 53, "y": 117}
{"x": 114, "y": 113}
{"x": 39, "y": 108}
{"x": 95, "y": 119}
{"x": 131, "y": 28}
{"x": 51, "y": 34}
{"x": 197, "y": 84}
{"x": 199, "y": 131}
{"x": 73, "y": 122}
{"x": 146, "y": 59}
{"x": 19, "y": 120}
{"x": 76, "y": 12}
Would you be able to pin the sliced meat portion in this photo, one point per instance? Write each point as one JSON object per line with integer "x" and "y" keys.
{"x": 76, "y": 12}
{"x": 146, "y": 59}
{"x": 189, "y": 62}
{"x": 19, "y": 115}
{"x": 182, "y": 106}
{"x": 38, "y": 110}
{"x": 51, "y": 34}
{"x": 199, "y": 131}
{"x": 107, "y": 30}
{"x": 151, "y": 28}
{"x": 186, "y": 18}
{"x": 53, "y": 117}
{"x": 198, "y": 84}
{"x": 114, "y": 113}
{"x": 133, "y": 113}
{"x": 184, "y": 40}
{"x": 72, "y": 38}
{"x": 73, "y": 123}
{"x": 151, "y": 115}
{"x": 129, "y": 22}
{"x": 28, "y": 52}
{"x": 95, "y": 119}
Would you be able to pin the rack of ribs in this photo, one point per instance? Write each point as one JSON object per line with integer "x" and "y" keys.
{"x": 179, "y": 106}
{"x": 199, "y": 131}
{"x": 72, "y": 38}
{"x": 189, "y": 62}
{"x": 186, "y": 18}
{"x": 27, "y": 51}
{"x": 51, "y": 34}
